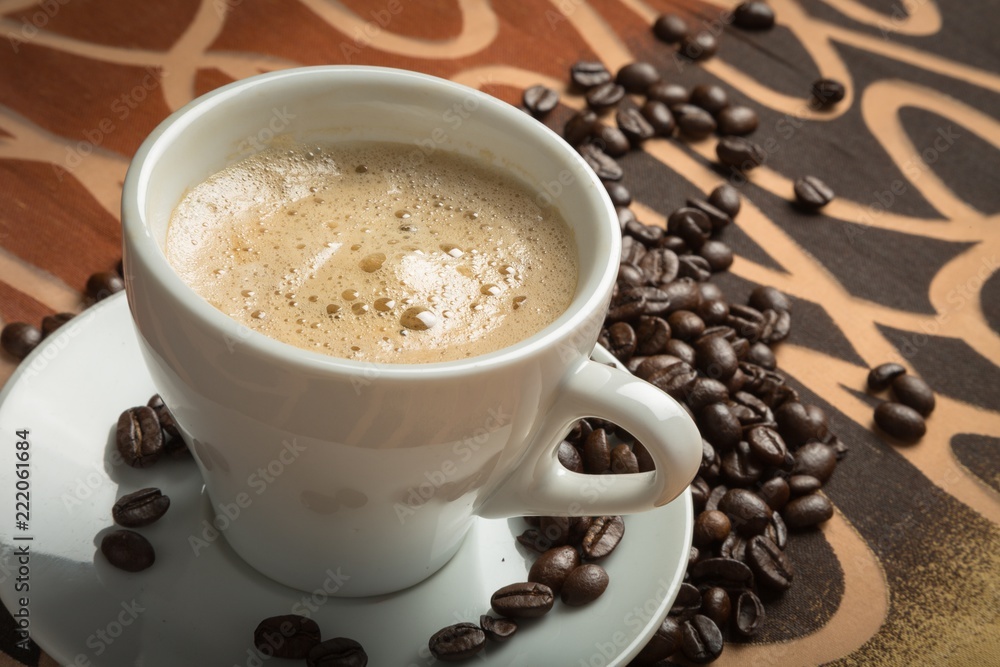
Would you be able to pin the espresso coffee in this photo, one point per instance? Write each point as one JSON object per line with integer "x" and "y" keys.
{"x": 359, "y": 251}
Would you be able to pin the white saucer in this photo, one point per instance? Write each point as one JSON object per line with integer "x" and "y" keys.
{"x": 198, "y": 610}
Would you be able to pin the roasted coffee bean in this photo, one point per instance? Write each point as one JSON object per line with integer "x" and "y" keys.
{"x": 578, "y": 527}
{"x": 761, "y": 355}
{"x": 587, "y": 74}
{"x": 103, "y": 284}
{"x": 580, "y": 127}
{"x": 740, "y": 153}
{"x": 603, "y": 537}
{"x": 734, "y": 547}
{"x": 668, "y": 93}
{"x": 140, "y": 508}
{"x": 710, "y": 97}
{"x": 611, "y": 140}
{"x": 658, "y": 115}
{"x": 684, "y": 294}
{"x": 553, "y": 566}
{"x": 749, "y": 614}
{"x": 681, "y": 350}
{"x": 765, "y": 297}
{"x": 690, "y": 224}
{"x": 637, "y": 77}
{"x": 685, "y": 325}
{"x": 711, "y": 527}
{"x": 522, "y": 600}
{"x": 726, "y": 198}
{"x": 554, "y": 530}
{"x": 718, "y": 255}
{"x": 715, "y": 496}
{"x": 584, "y": 585}
{"x": 18, "y": 339}
{"x": 807, "y": 511}
{"x": 715, "y": 604}
{"x": 771, "y": 566}
{"x": 740, "y": 467}
{"x": 900, "y": 421}
{"x": 670, "y": 28}
{"x": 634, "y": 125}
{"x": 796, "y": 425}
{"x": 648, "y": 235}
{"x": 623, "y": 461}
{"x": 603, "y": 164}
{"x": 570, "y": 457}
{"x": 737, "y": 120}
{"x": 654, "y": 364}
{"x": 337, "y": 652}
{"x": 914, "y": 392}
{"x": 687, "y": 602}
{"x": 618, "y": 193}
{"x": 621, "y": 341}
{"x": 699, "y": 493}
{"x": 701, "y": 640}
{"x": 827, "y": 92}
{"x": 532, "y": 539}
{"x": 803, "y": 485}
{"x": 604, "y": 96}
{"x": 754, "y": 15}
{"x": 775, "y": 492}
{"x": 767, "y": 445}
{"x": 628, "y": 304}
{"x": 716, "y": 357}
{"x": 777, "y": 326}
{"x": 626, "y": 216}
{"x": 164, "y": 416}
{"x": 747, "y": 512}
{"x": 652, "y": 334}
{"x": 288, "y": 636}
{"x": 706, "y": 391}
{"x": 643, "y": 458}
{"x": 50, "y": 323}
{"x": 816, "y": 459}
{"x": 693, "y": 121}
{"x": 812, "y": 194}
{"x": 882, "y": 376}
{"x": 540, "y": 100}
{"x": 497, "y": 629}
{"x": 701, "y": 45}
{"x": 457, "y": 642}
{"x": 630, "y": 274}
{"x": 777, "y": 531}
{"x": 675, "y": 380}
{"x": 597, "y": 452}
{"x": 139, "y": 437}
{"x": 664, "y": 643}
{"x": 657, "y": 301}
{"x": 128, "y": 550}
{"x": 720, "y": 426}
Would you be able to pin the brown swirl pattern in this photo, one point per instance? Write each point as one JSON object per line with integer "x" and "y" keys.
{"x": 901, "y": 266}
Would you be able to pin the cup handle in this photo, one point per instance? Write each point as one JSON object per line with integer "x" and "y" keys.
{"x": 541, "y": 486}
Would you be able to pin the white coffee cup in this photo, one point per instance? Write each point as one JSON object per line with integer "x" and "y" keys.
{"x": 316, "y": 464}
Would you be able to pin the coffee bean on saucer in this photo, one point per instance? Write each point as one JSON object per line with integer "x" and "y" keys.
{"x": 740, "y": 153}
{"x": 701, "y": 45}
{"x": 497, "y": 629}
{"x": 726, "y": 198}
{"x": 882, "y": 376}
{"x": 166, "y": 419}
{"x": 540, "y": 100}
{"x": 587, "y": 74}
{"x": 710, "y": 97}
{"x": 737, "y": 120}
{"x": 522, "y": 600}
{"x": 140, "y": 508}
{"x": 286, "y": 636}
{"x": 634, "y": 125}
{"x": 18, "y": 339}
{"x": 584, "y": 584}
{"x": 812, "y": 194}
{"x": 603, "y": 164}
{"x": 553, "y": 566}
{"x": 900, "y": 421}
{"x": 337, "y": 652}
{"x": 139, "y": 437}
{"x": 603, "y": 536}
{"x": 103, "y": 284}
{"x": 693, "y": 121}
{"x": 828, "y": 92}
{"x": 754, "y": 15}
{"x": 637, "y": 77}
{"x": 670, "y": 28}
{"x": 701, "y": 640}
{"x": 50, "y": 323}
{"x": 604, "y": 96}
{"x": 128, "y": 550}
{"x": 914, "y": 392}
{"x": 457, "y": 642}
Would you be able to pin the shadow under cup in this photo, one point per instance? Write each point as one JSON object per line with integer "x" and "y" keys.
{"x": 317, "y": 466}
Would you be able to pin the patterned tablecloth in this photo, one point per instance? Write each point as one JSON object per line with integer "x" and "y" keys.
{"x": 902, "y": 266}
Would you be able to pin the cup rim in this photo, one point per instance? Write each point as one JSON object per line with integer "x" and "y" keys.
{"x": 141, "y": 243}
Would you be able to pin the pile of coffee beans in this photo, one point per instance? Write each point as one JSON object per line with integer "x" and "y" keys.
{"x": 902, "y": 418}
{"x": 296, "y": 637}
